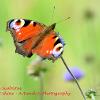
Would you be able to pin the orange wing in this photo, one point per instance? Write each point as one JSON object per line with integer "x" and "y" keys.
{"x": 32, "y": 37}
{"x": 44, "y": 49}
{"x": 32, "y": 30}
{"x": 24, "y": 33}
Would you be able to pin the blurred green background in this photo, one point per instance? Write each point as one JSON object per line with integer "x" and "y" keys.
{"x": 81, "y": 34}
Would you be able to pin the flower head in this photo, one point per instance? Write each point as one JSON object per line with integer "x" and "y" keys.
{"x": 76, "y": 72}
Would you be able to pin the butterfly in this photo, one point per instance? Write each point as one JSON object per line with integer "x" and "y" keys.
{"x": 31, "y": 37}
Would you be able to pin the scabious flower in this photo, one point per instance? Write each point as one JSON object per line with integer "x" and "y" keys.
{"x": 76, "y": 72}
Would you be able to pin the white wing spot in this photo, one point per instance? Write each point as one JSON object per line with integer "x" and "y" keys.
{"x": 31, "y": 22}
{"x": 19, "y": 33}
{"x": 47, "y": 51}
{"x": 51, "y": 52}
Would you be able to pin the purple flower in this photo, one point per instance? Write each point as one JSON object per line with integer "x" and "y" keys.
{"x": 76, "y": 72}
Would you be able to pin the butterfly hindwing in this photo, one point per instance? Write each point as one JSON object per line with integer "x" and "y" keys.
{"x": 44, "y": 49}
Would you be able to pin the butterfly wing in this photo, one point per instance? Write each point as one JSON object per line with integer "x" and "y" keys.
{"x": 24, "y": 33}
{"x": 50, "y": 47}
{"x": 32, "y": 37}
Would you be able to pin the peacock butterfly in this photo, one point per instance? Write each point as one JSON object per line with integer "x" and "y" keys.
{"x": 32, "y": 37}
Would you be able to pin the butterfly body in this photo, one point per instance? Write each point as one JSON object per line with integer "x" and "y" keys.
{"x": 35, "y": 38}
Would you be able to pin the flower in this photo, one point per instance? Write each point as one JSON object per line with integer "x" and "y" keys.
{"x": 76, "y": 72}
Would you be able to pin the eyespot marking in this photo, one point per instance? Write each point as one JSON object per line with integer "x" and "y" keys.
{"x": 54, "y": 37}
{"x": 58, "y": 50}
{"x": 34, "y": 24}
{"x": 18, "y": 22}
{"x": 27, "y": 22}
{"x": 57, "y": 41}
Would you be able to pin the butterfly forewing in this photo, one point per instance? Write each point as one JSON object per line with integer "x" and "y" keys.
{"x": 25, "y": 35}
{"x": 26, "y": 29}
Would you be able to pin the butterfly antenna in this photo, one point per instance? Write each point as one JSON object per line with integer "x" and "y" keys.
{"x": 73, "y": 77}
{"x": 53, "y": 13}
{"x": 63, "y": 20}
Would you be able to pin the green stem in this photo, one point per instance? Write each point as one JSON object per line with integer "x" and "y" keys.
{"x": 73, "y": 77}
{"x": 41, "y": 86}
